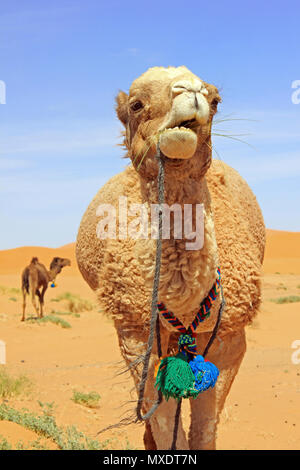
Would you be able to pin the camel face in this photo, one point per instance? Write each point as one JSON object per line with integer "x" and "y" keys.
{"x": 171, "y": 106}
{"x": 58, "y": 263}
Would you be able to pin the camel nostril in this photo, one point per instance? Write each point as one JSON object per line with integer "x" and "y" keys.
{"x": 182, "y": 86}
{"x": 177, "y": 90}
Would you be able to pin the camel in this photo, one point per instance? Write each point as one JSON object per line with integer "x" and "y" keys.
{"x": 35, "y": 277}
{"x": 173, "y": 108}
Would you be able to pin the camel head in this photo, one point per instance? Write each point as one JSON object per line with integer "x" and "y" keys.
{"x": 174, "y": 107}
{"x": 58, "y": 263}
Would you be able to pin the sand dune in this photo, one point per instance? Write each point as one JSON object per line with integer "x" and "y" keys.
{"x": 282, "y": 252}
{"x": 14, "y": 260}
{"x": 282, "y": 244}
{"x": 282, "y": 255}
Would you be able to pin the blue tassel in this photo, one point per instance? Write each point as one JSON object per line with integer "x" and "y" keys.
{"x": 205, "y": 373}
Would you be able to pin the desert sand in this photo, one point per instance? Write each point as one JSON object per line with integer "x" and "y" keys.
{"x": 261, "y": 412}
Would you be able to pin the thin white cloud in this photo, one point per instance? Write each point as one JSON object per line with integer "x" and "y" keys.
{"x": 270, "y": 167}
{"x": 13, "y": 164}
{"x": 59, "y": 138}
{"x": 67, "y": 188}
{"x": 132, "y": 51}
{"x": 25, "y": 19}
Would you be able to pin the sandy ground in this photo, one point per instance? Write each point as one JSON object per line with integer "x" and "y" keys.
{"x": 261, "y": 412}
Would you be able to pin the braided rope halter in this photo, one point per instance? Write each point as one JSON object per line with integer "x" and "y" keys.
{"x": 201, "y": 315}
{"x": 156, "y": 307}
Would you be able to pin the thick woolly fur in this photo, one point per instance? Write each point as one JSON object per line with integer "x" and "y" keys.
{"x": 121, "y": 271}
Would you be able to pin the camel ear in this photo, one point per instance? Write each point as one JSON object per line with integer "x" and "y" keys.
{"x": 122, "y": 107}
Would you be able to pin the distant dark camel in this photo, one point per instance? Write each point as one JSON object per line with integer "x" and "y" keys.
{"x": 36, "y": 276}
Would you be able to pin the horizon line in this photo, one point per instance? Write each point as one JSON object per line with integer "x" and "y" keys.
{"x": 74, "y": 242}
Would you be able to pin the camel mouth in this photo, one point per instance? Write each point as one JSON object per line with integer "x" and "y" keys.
{"x": 188, "y": 124}
{"x": 191, "y": 124}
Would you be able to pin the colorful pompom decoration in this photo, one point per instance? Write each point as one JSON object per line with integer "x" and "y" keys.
{"x": 53, "y": 284}
{"x": 205, "y": 373}
{"x": 186, "y": 374}
{"x": 175, "y": 377}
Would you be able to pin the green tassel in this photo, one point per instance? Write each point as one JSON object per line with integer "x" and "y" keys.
{"x": 175, "y": 378}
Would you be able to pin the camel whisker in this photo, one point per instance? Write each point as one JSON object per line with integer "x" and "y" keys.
{"x": 232, "y": 137}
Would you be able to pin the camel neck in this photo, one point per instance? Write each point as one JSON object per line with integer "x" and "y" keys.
{"x": 187, "y": 191}
{"x": 52, "y": 274}
{"x": 187, "y": 274}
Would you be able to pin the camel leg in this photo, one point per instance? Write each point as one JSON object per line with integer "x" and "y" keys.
{"x": 159, "y": 428}
{"x": 24, "y": 304}
{"x": 162, "y": 422}
{"x": 38, "y": 294}
{"x": 227, "y": 354}
{"x": 149, "y": 441}
{"x": 41, "y": 297}
{"x": 33, "y": 300}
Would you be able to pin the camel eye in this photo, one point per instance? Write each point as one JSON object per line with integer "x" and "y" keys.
{"x": 215, "y": 102}
{"x": 136, "y": 106}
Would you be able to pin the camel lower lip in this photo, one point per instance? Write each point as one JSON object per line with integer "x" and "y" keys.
{"x": 178, "y": 143}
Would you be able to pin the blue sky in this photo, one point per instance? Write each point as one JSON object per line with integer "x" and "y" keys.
{"x": 63, "y": 62}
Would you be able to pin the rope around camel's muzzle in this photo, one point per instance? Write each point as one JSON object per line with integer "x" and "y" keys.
{"x": 155, "y": 322}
